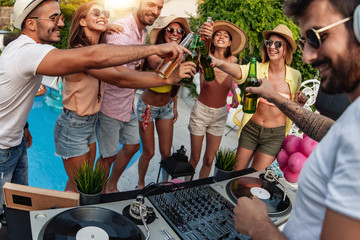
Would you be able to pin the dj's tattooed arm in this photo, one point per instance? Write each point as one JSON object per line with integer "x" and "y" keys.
{"x": 312, "y": 124}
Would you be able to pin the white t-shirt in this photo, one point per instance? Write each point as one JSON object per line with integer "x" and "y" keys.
{"x": 18, "y": 86}
{"x": 330, "y": 178}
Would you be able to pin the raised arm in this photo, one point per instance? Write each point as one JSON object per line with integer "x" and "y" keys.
{"x": 230, "y": 68}
{"x": 312, "y": 124}
{"x": 62, "y": 62}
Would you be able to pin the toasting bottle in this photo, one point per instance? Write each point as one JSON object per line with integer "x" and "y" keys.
{"x": 249, "y": 99}
{"x": 194, "y": 57}
{"x": 205, "y": 61}
{"x": 167, "y": 66}
{"x": 207, "y": 39}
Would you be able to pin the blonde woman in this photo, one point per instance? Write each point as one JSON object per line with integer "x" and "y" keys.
{"x": 262, "y": 133}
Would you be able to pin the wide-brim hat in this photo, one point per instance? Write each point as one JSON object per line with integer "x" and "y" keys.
{"x": 239, "y": 37}
{"x": 21, "y": 10}
{"x": 285, "y": 32}
{"x": 161, "y": 23}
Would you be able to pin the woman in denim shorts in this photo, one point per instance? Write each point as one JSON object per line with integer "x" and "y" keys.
{"x": 157, "y": 106}
{"x": 74, "y": 133}
{"x": 208, "y": 117}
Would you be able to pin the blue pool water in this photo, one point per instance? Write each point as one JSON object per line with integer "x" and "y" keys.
{"x": 45, "y": 169}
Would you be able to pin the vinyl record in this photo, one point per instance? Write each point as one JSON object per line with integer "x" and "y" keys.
{"x": 267, "y": 191}
{"x": 91, "y": 223}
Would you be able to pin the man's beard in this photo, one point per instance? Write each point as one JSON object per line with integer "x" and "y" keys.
{"x": 345, "y": 73}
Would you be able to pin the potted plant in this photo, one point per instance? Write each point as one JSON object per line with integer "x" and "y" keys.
{"x": 90, "y": 182}
{"x": 225, "y": 159}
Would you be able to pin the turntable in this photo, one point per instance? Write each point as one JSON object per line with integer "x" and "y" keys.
{"x": 202, "y": 211}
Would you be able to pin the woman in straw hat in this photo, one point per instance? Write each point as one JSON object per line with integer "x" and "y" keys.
{"x": 157, "y": 106}
{"x": 263, "y": 133}
{"x": 209, "y": 114}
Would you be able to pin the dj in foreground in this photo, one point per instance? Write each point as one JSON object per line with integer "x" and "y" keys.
{"x": 327, "y": 201}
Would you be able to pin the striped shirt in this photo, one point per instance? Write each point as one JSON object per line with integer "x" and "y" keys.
{"x": 119, "y": 102}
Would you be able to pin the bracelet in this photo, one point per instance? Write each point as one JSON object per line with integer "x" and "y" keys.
{"x": 26, "y": 125}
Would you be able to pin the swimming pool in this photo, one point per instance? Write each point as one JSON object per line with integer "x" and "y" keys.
{"x": 45, "y": 169}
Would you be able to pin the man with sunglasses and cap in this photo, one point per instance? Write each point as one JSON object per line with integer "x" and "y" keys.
{"x": 327, "y": 200}
{"x": 117, "y": 123}
{"x": 24, "y": 62}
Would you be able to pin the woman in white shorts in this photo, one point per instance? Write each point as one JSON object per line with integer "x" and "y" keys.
{"x": 209, "y": 114}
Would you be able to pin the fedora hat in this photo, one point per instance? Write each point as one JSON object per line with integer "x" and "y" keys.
{"x": 239, "y": 37}
{"x": 285, "y": 32}
{"x": 165, "y": 21}
{"x": 21, "y": 10}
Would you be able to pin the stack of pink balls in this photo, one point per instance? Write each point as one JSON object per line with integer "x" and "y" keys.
{"x": 293, "y": 155}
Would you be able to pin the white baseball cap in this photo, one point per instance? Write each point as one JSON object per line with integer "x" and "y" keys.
{"x": 22, "y": 8}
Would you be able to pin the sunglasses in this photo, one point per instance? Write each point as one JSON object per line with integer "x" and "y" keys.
{"x": 55, "y": 19}
{"x": 277, "y": 44}
{"x": 97, "y": 12}
{"x": 313, "y": 35}
{"x": 179, "y": 31}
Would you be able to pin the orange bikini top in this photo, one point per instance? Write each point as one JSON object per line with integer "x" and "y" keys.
{"x": 263, "y": 100}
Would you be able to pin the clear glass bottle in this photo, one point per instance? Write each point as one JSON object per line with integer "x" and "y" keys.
{"x": 167, "y": 66}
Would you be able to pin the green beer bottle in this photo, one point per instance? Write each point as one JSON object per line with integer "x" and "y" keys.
{"x": 205, "y": 61}
{"x": 249, "y": 99}
{"x": 194, "y": 49}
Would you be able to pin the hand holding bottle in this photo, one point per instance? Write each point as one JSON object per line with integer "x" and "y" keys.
{"x": 185, "y": 70}
{"x": 206, "y": 30}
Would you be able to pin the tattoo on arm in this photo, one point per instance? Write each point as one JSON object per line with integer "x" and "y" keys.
{"x": 312, "y": 124}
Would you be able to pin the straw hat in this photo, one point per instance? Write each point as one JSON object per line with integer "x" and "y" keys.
{"x": 163, "y": 22}
{"x": 239, "y": 37}
{"x": 22, "y": 8}
{"x": 285, "y": 32}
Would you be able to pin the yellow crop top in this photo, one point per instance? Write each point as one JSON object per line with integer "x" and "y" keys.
{"x": 162, "y": 89}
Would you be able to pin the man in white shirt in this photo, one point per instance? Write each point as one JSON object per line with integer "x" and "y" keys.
{"x": 327, "y": 201}
{"x": 25, "y": 60}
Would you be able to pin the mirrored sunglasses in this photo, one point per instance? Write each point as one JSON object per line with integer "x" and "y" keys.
{"x": 278, "y": 44}
{"x": 313, "y": 36}
{"x": 179, "y": 31}
{"x": 97, "y": 12}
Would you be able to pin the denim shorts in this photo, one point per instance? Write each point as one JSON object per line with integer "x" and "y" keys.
{"x": 204, "y": 119}
{"x": 13, "y": 167}
{"x": 110, "y": 132}
{"x": 163, "y": 112}
{"x": 73, "y": 134}
{"x": 266, "y": 140}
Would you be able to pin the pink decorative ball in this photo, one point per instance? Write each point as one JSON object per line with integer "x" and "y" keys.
{"x": 308, "y": 145}
{"x": 293, "y": 145}
{"x": 282, "y": 158}
{"x": 296, "y": 162}
{"x": 290, "y": 176}
{"x": 288, "y": 137}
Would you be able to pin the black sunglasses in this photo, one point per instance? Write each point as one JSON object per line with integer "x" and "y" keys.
{"x": 313, "y": 35}
{"x": 55, "y": 19}
{"x": 97, "y": 12}
{"x": 278, "y": 44}
{"x": 171, "y": 30}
